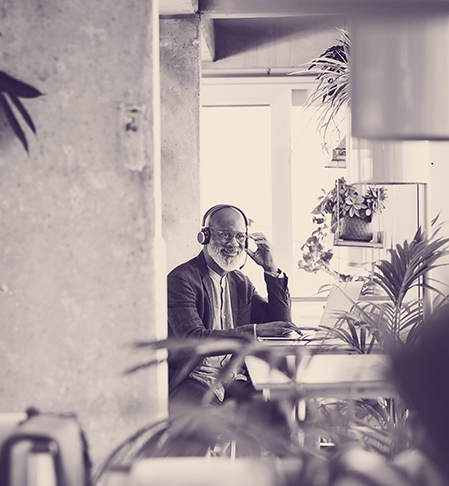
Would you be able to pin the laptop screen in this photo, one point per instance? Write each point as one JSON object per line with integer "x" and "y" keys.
{"x": 341, "y": 299}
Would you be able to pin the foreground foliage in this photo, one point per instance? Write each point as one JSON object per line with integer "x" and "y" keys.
{"x": 384, "y": 442}
{"x": 11, "y": 89}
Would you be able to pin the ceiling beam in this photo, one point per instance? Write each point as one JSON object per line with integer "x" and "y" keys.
{"x": 169, "y": 8}
{"x": 287, "y": 8}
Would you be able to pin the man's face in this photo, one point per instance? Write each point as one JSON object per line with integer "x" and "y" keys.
{"x": 228, "y": 236}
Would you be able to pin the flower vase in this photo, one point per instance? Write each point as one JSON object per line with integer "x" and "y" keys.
{"x": 355, "y": 229}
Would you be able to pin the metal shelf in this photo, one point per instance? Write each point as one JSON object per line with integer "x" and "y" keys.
{"x": 358, "y": 244}
{"x": 376, "y": 242}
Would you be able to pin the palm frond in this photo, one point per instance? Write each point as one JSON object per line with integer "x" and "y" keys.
{"x": 206, "y": 347}
{"x": 13, "y": 123}
{"x": 15, "y": 89}
{"x": 13, "y": 86}
{"x": 142, "y": 366}
{"x": 408, "y": 270}
{"x": 358, "y": 336}
{"x": 22, "y": 110}
{"x": 409, "y": 264}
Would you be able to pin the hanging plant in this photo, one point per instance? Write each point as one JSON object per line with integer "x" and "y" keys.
{"x": 344, "y": 200}
{"x": 332, "y": 93}
{"x": 11, "y": 89}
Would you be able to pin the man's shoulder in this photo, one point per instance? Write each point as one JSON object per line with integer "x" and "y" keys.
{"x": 195, "y": 267}
{"x": 185, "y": 267}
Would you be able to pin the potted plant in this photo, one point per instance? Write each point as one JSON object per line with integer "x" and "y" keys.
{"x": 350, "y": 211}
{"x": 404, "y": 280}
{"x": 399, "y": 326}
{"x": 395, "y": 317}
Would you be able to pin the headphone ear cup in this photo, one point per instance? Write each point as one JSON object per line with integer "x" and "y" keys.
{"x": 203, "y": 236}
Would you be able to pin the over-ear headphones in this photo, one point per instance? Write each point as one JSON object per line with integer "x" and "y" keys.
{"x": 203, "y": 236}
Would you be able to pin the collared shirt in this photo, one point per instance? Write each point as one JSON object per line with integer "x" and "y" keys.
{"x": 217, "y": 287}
{"x": 220, "y": 300}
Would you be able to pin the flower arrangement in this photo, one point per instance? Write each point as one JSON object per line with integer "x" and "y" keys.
{"x": 344, "y": 200}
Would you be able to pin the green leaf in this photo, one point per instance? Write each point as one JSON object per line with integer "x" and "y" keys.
{"x": 13, "y": 86}
{"x": 14, "y": 124}
{"x": 23, "y": 112}
{"x": 142, "y": 366}
{"x": 363, "y": 339}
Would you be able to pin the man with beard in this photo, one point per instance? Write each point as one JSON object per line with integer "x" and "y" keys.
{"x": 208, "y": 297}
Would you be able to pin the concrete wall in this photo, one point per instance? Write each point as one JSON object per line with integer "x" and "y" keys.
{"x": 80, "y": 230}
{"x": 180, "y": 125}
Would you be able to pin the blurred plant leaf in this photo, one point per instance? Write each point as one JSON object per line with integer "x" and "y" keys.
{"x": 23, "y": 112}
{"x": 13, "y": 86}
{"x": 421, "y": 373}
{"x": 12, "y": 120}
{"x": 11, "y": 89}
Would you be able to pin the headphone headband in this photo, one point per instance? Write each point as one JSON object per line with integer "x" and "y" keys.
{"x": 216, "y": 208}
{"x": 203, "y": 236}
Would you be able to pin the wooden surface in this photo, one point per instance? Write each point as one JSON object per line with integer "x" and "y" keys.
{"x": 316, "y": 346}
{"x": 327, "y": 375}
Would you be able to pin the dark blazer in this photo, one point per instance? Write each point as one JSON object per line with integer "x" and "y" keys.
{"x": 189, "y": 308}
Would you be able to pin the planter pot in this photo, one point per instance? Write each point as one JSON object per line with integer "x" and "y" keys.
{"x": 355, "y": 229}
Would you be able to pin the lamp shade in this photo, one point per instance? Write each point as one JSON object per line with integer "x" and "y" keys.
{"x": 400, "y": 76}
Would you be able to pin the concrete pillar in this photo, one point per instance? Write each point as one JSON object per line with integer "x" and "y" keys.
{"x": 82, "y": 266}
{"x": 180, "y": 116}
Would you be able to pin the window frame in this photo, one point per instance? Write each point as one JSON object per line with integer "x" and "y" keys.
{"x": 275, "y": 92}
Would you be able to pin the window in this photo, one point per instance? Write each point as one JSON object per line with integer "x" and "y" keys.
{"x": 261, "y": 150}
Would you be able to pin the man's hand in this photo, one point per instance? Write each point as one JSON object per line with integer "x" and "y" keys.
{"x": 276, "y": 328}
{"x": 263, "y": 255}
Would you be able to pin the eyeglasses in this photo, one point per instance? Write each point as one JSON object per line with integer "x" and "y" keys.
{"x": 227, "y": 235}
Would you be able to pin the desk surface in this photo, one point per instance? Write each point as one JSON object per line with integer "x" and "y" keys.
{"x": 327, "y": 376}
{"x": 325, "y": 345}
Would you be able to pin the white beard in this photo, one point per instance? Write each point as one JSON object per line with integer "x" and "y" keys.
{"x": 227, "y": 263}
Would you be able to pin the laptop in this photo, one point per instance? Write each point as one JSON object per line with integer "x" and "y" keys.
{"x": 342, "y": 297}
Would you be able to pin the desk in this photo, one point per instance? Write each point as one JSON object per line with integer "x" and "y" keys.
{"x": 327, "y": 376}
{"x": 322, "y": 345}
